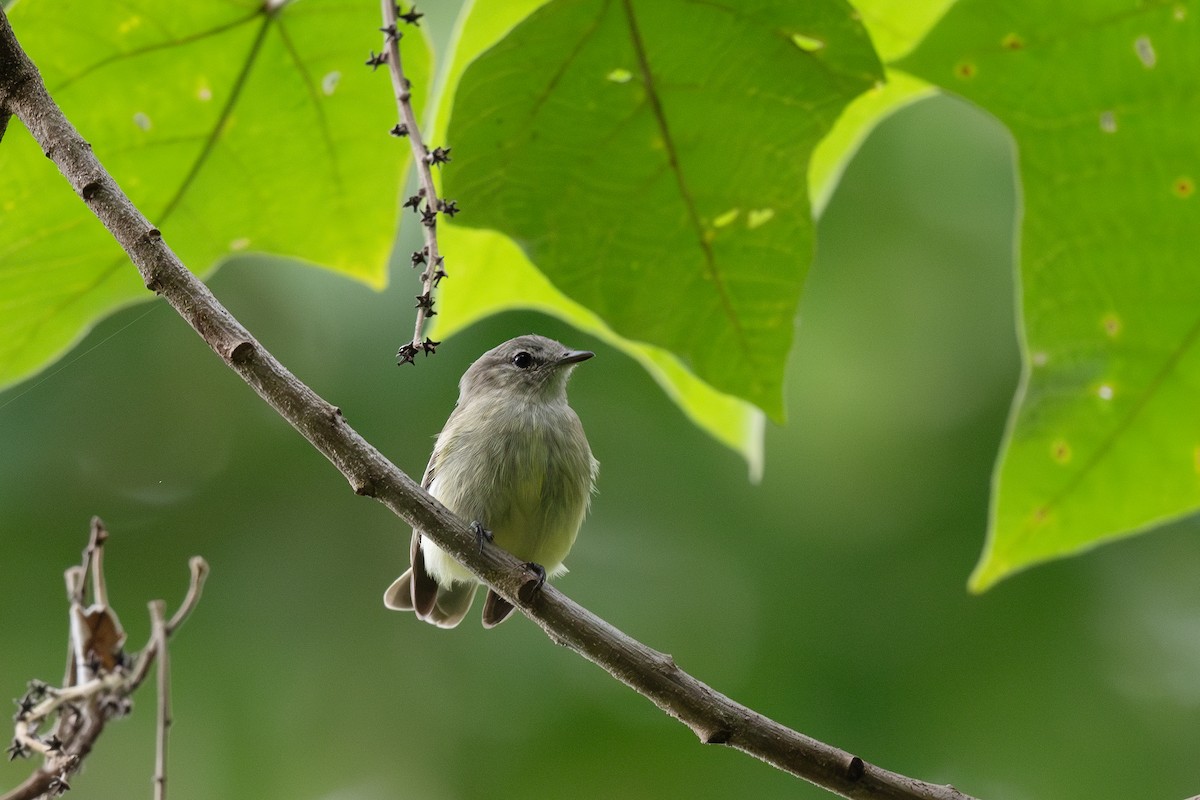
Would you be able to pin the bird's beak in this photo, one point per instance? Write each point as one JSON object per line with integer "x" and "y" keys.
{"x": 575, "y": 356}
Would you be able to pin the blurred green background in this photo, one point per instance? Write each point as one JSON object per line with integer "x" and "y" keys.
{"x": 831, "y": 597}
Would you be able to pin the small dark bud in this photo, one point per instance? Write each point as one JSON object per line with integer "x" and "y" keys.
{"x": 414, "y": 202}
{"x": 54, "y": 744}
{"x": 418, "y": 258}
{"x": 399, "y": 129}
{"x": 425, "y": 303}
{"x": 428, "y": 217}
{"x": 58, "y": 784}
{"x": 24, "y": 706}
{"x": 429, "y": 346}
{"x": 406, "y": 354}
{"x": 376, "y": 61}
{"x": 439, "y": 155}
{"x": 448, "y": 207}
{"x": 391, "y": 32}
{"x": 437, "y": 276}
{"x": 17, "y": 750}
{"x": 411, "y": 17}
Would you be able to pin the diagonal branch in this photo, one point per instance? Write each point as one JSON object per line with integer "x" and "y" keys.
{"x": 715, "y": 718}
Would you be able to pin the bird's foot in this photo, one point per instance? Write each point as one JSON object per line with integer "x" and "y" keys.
{"x": 530, "y": 589}
{"x": 482, "y": 534}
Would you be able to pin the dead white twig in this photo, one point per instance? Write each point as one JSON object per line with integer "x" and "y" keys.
{"x": 99, "y": 682}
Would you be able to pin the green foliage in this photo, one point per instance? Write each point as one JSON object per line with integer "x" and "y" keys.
{"x": 1102, "y": 102}
{"x": 492, "y": 274}
{"x": 659, "y": 179}
{"x": 234, "y": 128}
{"x": 653, "y": 184}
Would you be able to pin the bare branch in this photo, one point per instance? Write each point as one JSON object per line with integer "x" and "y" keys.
{"x": 199, "y": 568}
{"x": 158, "y": 639}
{"x": 714, "y": 718}
{"x": 98, "y": 684}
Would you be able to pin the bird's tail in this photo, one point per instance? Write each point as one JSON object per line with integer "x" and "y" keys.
{"x": 448, "y": 609}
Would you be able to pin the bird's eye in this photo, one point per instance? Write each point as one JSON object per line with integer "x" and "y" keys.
{"x": 522, "y": 360}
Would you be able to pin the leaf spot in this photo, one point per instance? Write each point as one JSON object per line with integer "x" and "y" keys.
{"x": 129, "y": 25}
{"x": 807, "y": 43}
{"x": 1012, "y": 42}
{"x": 1184, "y": 187}
{"x": 204, "y": 93}
{"x": 1060, "y": 451}
{"x": 1105, "y": 391}
{"x": 1039, "y": 358}
{"x": 759, "y": 217}
{"x": 619, "y": 75}
{"x": 964, "y": 70}
{"x": 241, "y": 243}
{"x": 330, "y": 82}
{"x": 1180, "y": 13}
{"x": 1108, "y": 122}
{"x": 142, "y": 121}
{"x": 726, "y": 218}
{"x": 1145, "y": 51}
{"x": 1111, "y": 324}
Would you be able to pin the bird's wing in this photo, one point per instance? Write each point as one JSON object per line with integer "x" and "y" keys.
{"x": 424, "y": 587}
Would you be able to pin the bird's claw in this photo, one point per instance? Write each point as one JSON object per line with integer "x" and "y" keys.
{"x": 482, "y": 534}
{"x": 530, "y": 589}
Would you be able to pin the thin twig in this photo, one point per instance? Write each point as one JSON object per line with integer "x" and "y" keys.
{"x": 94, "y": 556}
{"x": 423, "y": 159}
{"x": 712, "y": 716}
{"x": 199, "y": 568}
{"x": 98, "y": 683}
{"x": 158, "y": 638}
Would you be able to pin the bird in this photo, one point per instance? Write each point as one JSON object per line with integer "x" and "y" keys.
{"x": 513, "y": 460}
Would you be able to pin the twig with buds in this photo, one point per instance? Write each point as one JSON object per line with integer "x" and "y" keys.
{"x": 424, "y": 159}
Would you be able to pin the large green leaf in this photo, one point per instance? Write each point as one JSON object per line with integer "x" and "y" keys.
{"x": 655, "y": 171}
{"x": 491, "y": 274}
{"x": 234, "y": 126}
{"x": 1103, "y": 99}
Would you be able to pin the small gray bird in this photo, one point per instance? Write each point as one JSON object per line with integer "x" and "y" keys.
{"x": 514, "y": 461}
